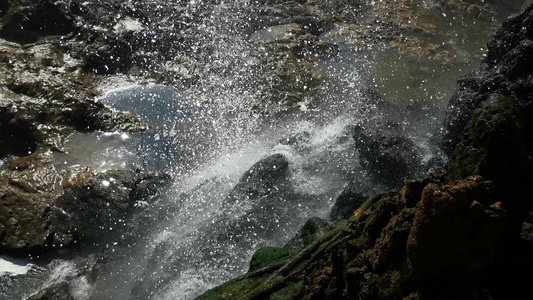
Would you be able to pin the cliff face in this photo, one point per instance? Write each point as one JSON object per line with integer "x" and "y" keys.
{"x": 455, "y": 235}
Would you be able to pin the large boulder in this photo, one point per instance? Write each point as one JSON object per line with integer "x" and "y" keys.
{"x": 266, "y": 177}
{"x": 42, "y": 209}
{"x": 387, "y": 153}
{"x": 353, "y": 196}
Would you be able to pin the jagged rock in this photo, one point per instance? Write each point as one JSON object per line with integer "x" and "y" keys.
{"x": 76, "y": 281}
{"x": 387, "y": 154}
{"x": 312, "y": 229}
{"x": 452, "y": 223}
{"x": 266, "y": 177}
{"x": 383, "y": 253}
{"x": 506, "y": 73}
{"x": 348, "y": 201}
{"x": 42, "y": 210}
{"x": 26, "y": 21}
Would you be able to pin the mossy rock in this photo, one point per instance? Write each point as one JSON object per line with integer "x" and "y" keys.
{"x": 234, "y": 289}
{"x": 268, "y": 256}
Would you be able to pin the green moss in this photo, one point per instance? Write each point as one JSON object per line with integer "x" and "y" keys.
{"x": 493, "y": 126}
{"x": 365, "y": 206}
{"x": 291, "y": 291}
{"x": 235, "y": 289}
{"x": 503, "y": 114}
{"x": 263, "y": 290}
{"x": 310, "y": 232}
{"x": 268, "y": 256}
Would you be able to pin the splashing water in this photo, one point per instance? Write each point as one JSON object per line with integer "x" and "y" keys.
{"x": 207, "y": 136}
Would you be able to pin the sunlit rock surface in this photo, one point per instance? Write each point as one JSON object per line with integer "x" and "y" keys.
{"x": 43, "y": 211}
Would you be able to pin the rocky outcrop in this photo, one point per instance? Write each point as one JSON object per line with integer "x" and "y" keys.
{"x": 387, "y": 153}
{"x": 42, "y": 210}
{"x": 287, "y": 69}
{"x": 24, "y": 22}
{"x": 266, "y": 177}
{"x": 78, "y": 275}
{"x": 47, "y": 93}
{"x": 456, "y": 235}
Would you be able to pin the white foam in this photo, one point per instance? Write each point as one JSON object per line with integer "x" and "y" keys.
{"x": 12, "y": 266}
{"x": 128, "y": 25}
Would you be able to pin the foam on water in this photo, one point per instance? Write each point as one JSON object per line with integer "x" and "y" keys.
{"x": 12, "y": 266}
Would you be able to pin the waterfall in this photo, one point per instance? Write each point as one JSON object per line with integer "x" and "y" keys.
{"x": 210, "y": 126}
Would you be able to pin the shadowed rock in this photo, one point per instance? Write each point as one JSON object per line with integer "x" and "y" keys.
{"x": 387, "y": 153}
{"x": 265, "y": 177}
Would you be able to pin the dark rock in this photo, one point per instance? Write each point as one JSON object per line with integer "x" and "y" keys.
{"x": 264, "y": 178}
{"x": 17, "y": 137}
{"x": 506, "y": 74}
{"x": 347, "y": 202}
{"x": 387, "y": 154}
{"x": 26, "y": 21}
{"x": 97, "y": 206}
{"x": 310, "y": 232}
{"x": 442, "y": 246}
{"x": 58, "y": 291}
{"x": 41, "y": 210}
{"x": 386, "y": 250}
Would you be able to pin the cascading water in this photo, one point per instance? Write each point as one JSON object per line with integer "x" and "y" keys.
{"x": 207, "y": 136}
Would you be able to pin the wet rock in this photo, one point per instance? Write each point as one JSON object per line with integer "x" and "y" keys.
{"x": 312, "y": 17}
{"x": 59, "y": 291}
{"x": 264, "y": 178}
{"x": 26, "y": 21}
{"x": 27, "y": 190}
{"x": 261, "y": 200}
{"x": 506, "y": 74}
{"x": 347, "y": 202}
{"x": 381, "y": 254}
{"x": 78, "y": 276}
{"x": 103, "y": 204}
{"x": 43, "y": 209}
{"x": 268, "y": 256}
{"x": 492, "y": 132}
{"x": 387, "y": 153}
{"x": 441, "y": 245}
{"x": 287, "y": 68}
{"x": 17, "y": 137}
{"x": 54, "y": 102}
{"x": 255, "y": 208}
{"x": 309, "y": 233}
